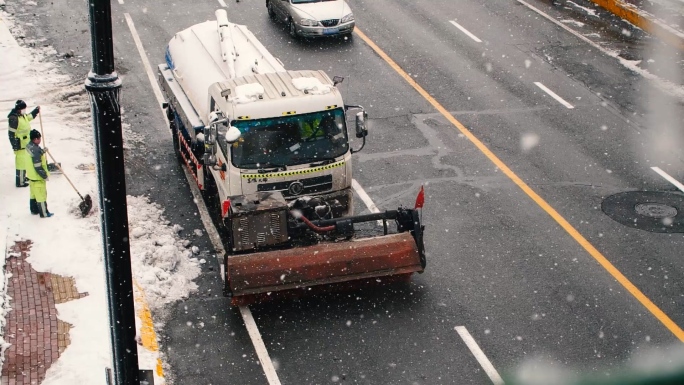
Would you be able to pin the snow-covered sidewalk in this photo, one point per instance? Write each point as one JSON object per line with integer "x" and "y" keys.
{"x": 67, "y": 244}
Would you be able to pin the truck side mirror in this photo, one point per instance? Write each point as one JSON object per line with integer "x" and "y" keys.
{"x": 361, "y": 130}
{"x": 232, "y": 135}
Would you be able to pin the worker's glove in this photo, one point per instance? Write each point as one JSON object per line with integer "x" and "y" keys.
{"x": 37, "y": 109}
{"x": 45, "y": 150}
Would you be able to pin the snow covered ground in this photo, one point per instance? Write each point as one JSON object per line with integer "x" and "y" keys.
{"x": 66, "y": 244}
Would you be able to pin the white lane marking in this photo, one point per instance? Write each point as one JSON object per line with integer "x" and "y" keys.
{"x": 214, "y": 237}
{"x": 479, "y": 355}
{"x": 121, "y": 2}
{"x": 465, "y": 31}
{"x": 364, "y": 197}
{"x": 223, "y": 3}
{"x": 670, "y": 179}
{"x": 146, "y": 63}
{"x": 565, "y": 27}
{"x": 553, "y": 95}
{"x": 259, "y": 346}
{"x": 213, "y": 234}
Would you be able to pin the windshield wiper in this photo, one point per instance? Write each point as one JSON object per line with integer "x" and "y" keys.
{"x": 265, "y": 167}
{"x": 315, "y": 162}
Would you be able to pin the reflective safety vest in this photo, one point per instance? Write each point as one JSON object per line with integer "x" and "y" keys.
{"x": 38, "y": 163}
{"x": 23, "y": 129}
{"x": 312, "y": 128}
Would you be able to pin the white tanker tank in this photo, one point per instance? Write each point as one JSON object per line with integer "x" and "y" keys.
{"x": 196, "y": 63}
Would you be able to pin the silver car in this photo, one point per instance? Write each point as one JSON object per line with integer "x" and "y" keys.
{"x": 313, "y": 17}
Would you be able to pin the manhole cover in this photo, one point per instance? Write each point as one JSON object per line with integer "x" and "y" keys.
{"x": 654, "y": 211}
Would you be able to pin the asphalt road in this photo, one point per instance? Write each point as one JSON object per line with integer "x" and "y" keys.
{"x": 499, "y": 264}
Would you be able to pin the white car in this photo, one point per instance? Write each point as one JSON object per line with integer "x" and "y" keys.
{"x": 313, "y": 17}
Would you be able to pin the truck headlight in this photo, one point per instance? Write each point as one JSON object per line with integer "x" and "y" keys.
{"x": 308, "y": 23}
{"x": 347, "y": 18}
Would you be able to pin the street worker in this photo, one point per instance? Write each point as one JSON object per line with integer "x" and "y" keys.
{"x": 19, "y": 128}
{"x": 38, "y": 175}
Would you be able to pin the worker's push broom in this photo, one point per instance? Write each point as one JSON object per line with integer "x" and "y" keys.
{"x": 86, "y": 202}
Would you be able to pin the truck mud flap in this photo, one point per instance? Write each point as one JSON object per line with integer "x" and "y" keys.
{"x": 255, "y": 274}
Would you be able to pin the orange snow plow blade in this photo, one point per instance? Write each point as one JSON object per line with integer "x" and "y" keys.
{"x": 322, "y": 264}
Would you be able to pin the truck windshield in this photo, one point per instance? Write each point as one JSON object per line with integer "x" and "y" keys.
{"x": 290, "y": 140}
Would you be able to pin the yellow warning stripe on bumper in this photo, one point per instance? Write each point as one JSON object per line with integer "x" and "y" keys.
{"x": 295, "y": 172}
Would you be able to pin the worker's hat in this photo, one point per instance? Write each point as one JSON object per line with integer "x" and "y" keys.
{"x": 20, "y": 105}
{"x": 35, "y": 134}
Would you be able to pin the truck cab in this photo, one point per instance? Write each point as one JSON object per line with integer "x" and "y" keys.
{"x": 291, "y": 137}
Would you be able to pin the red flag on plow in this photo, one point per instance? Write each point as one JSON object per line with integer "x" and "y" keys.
{"x": 420, "y": 199}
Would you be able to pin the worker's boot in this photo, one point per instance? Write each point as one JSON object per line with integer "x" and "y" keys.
{"x": 33, "y": 205}
{"x": 43, "y": 210}
{"x": 21, "y": 180}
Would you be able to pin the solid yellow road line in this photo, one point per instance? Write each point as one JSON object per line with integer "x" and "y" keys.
{"x": 148, "y": 336}
{"x": 629, "y": 286}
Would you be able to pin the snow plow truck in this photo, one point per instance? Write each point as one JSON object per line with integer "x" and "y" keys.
{"x": 270, "y": 148}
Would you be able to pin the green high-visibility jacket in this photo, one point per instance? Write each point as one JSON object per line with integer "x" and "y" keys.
{"x": 38, "y": 169}
{"x": 311, "y": 129}
{"x": 19, "y": 129}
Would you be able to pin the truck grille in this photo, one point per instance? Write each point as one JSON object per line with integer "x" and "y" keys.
{"x": 311, "y": 186}
{"x": 330, "y": 23}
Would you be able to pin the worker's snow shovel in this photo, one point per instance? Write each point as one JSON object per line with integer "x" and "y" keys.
{"x": 86, "y": 202}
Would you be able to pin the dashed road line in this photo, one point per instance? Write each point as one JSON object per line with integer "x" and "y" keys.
{"x": 364, "y": 197}
{"x": 553, "y": 95}
{"x": 470, "y": 35}
{"x": 223, "y": 3}
{"x": 262, "y": 353}
{"x": 479, "y": 355}
{"x": 670, "y": 179}
{"x": 146, "y": 63}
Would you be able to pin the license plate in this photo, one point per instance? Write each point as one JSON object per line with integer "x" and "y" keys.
{"x": 330, "y": 31}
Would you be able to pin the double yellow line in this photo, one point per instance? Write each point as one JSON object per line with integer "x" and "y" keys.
{"x": 629, "y": 286}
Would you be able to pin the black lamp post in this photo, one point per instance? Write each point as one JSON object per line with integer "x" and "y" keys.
{"x": 103, "y": 85}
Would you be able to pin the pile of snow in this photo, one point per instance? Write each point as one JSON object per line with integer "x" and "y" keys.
{"x": 311, "y": 85}
{"x": 247, "y": 93}
{"x": 161, "y": 263}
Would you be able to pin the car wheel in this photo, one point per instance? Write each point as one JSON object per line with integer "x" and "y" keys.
{"x": 293, "y": 28}
{"x": 271, "y": 12}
